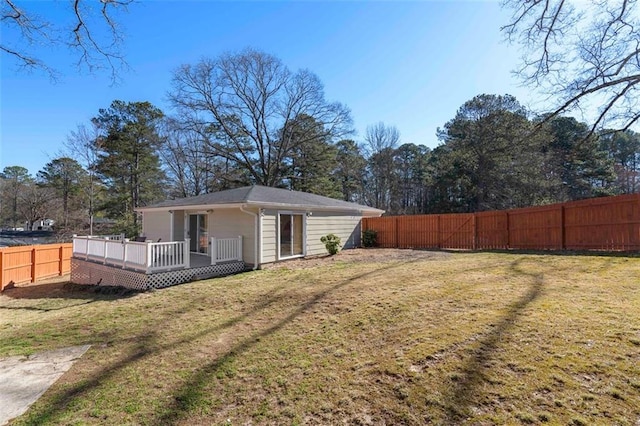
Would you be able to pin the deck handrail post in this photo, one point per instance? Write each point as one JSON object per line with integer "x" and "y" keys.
{"x": 124, "y": 254}
{"x": 187, "y": 255}
{"x": 214, "y": 250}
{"x": 239, "y": 253}
{"x": 148, "y": 256}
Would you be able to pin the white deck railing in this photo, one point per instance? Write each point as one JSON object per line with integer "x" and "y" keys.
{"x": 145, "y": 257}
{"x": 226, "y": 249}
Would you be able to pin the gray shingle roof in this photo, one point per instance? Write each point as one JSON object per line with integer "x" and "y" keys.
{"x": 258, "y": 195}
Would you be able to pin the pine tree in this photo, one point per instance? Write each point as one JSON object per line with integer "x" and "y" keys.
{"x": 128, "y": 159}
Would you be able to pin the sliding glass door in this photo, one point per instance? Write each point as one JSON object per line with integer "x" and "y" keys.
{"x": 198, "y": 232}
{"x": 291, "y": 235}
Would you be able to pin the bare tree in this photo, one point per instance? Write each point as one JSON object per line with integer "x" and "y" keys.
{"x": 379, "y": 137}
{"x": 381, "y": 141}
{"x": 92, "y": 32}
{"x": 185, "y": 157}
{"x": 35, "y": 203}
{"x": 585, "y": 52}
{"x": 247, "y": 102}
{"x": 83, "y": 145}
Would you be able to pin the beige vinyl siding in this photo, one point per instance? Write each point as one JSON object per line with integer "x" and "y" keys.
{"x": 344, "y": 225}
{"x": 230, "y": 223}
{"x": 178, "y": 225}
{"x": 269, "y": 236}
{"x": 157, "y": 225}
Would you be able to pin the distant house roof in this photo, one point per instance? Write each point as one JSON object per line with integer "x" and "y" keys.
{"x": 262, "y": 196}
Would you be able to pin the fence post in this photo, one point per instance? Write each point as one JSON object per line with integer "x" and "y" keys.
{"x": 438, "y": 233}
{"x": 60, "y": 254}
{"x": 33, "y": 264}
{"x": 214, "y": 250}
{"x": 563, "y": 228}
{"x": 395, "y": 219}
{"x": 239, "y": 257}
{"x": 1, "y": 271}
{"x": 474, "y": 224}
{"x": 508, "y": 231}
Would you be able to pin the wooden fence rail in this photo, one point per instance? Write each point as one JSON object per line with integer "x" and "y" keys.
{"x": 608, "y": 224}
{"x": 24, "y": 264}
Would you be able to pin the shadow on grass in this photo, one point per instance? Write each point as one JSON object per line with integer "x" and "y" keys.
{"x": 461, "y": 396}
{"x": 193, "y": 392}
{"x": 569, "y": 253}
{"x": 64, "y": 291}
{"x": 189, "y": 395}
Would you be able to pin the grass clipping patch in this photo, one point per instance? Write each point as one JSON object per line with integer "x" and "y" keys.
{"x": 481, "y": 338}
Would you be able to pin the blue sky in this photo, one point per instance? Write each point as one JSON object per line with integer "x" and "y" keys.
{"x": 408, "y": 64}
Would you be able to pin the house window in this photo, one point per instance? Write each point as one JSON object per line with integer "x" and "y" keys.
{"x": 291, "y": 235}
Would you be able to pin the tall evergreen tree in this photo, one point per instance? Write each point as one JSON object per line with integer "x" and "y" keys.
{"x": 313, "y": 158}
{"x": 128, "y": 158}
{"x": 623, "y": 148}
{"x": 577, "y": 160}
{"x": 495, "y": 158}
{"x": 412, "y": 169}
{"x": 65, "y": 176}
{"x": 350, "y": 170}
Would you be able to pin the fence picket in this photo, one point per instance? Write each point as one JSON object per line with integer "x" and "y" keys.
{"x": 25, "y": 264}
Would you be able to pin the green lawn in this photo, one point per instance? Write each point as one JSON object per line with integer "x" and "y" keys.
{"x": 462, "y": 338}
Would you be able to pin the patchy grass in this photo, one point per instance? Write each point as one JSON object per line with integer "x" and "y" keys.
{"x": 482, "y": 338}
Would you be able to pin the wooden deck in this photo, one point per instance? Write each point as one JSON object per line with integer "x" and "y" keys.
{"x": 198, "y": 260}
{"x": 95, "y": 273}
{"x": 152, "y": 257}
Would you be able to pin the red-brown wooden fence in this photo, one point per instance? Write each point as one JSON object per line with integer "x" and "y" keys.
{"x": 608, "y": 224}
{"x": 24, "y": 264}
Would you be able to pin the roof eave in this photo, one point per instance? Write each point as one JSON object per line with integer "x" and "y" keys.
{"x": 365, "y": 211}
{"x": 189, "y": 207}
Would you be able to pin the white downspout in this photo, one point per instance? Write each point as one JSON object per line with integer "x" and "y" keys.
{"x": 256, "y": 245}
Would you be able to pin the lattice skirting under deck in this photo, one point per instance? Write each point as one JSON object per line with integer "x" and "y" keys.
{"x": 85, "y": 272}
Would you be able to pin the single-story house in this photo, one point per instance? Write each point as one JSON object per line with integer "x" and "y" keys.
{"x": 273, "y": 224}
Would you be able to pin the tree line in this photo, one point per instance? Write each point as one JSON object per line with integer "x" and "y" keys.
{"x": 245, "y": 118}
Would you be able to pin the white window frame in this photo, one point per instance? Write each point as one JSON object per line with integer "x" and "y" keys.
{"x": 304, "y": 234}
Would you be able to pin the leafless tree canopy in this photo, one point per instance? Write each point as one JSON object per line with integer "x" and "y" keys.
{"x": 247, "y": 101}
{"x": 585, "y": 52}
{"x": 91, "y": 31}
{"x": 379, "y": 137}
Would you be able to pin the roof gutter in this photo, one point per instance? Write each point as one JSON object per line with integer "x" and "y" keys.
{"x": 256, "y": 246}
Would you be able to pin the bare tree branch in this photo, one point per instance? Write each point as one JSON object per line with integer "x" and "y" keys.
{"x": 92, "y": 33}
{"x": 248, "y": 103}
{"x": 587, "y": 55}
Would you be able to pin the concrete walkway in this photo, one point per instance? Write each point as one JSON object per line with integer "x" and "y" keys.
{"x": 24, "y": 379}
